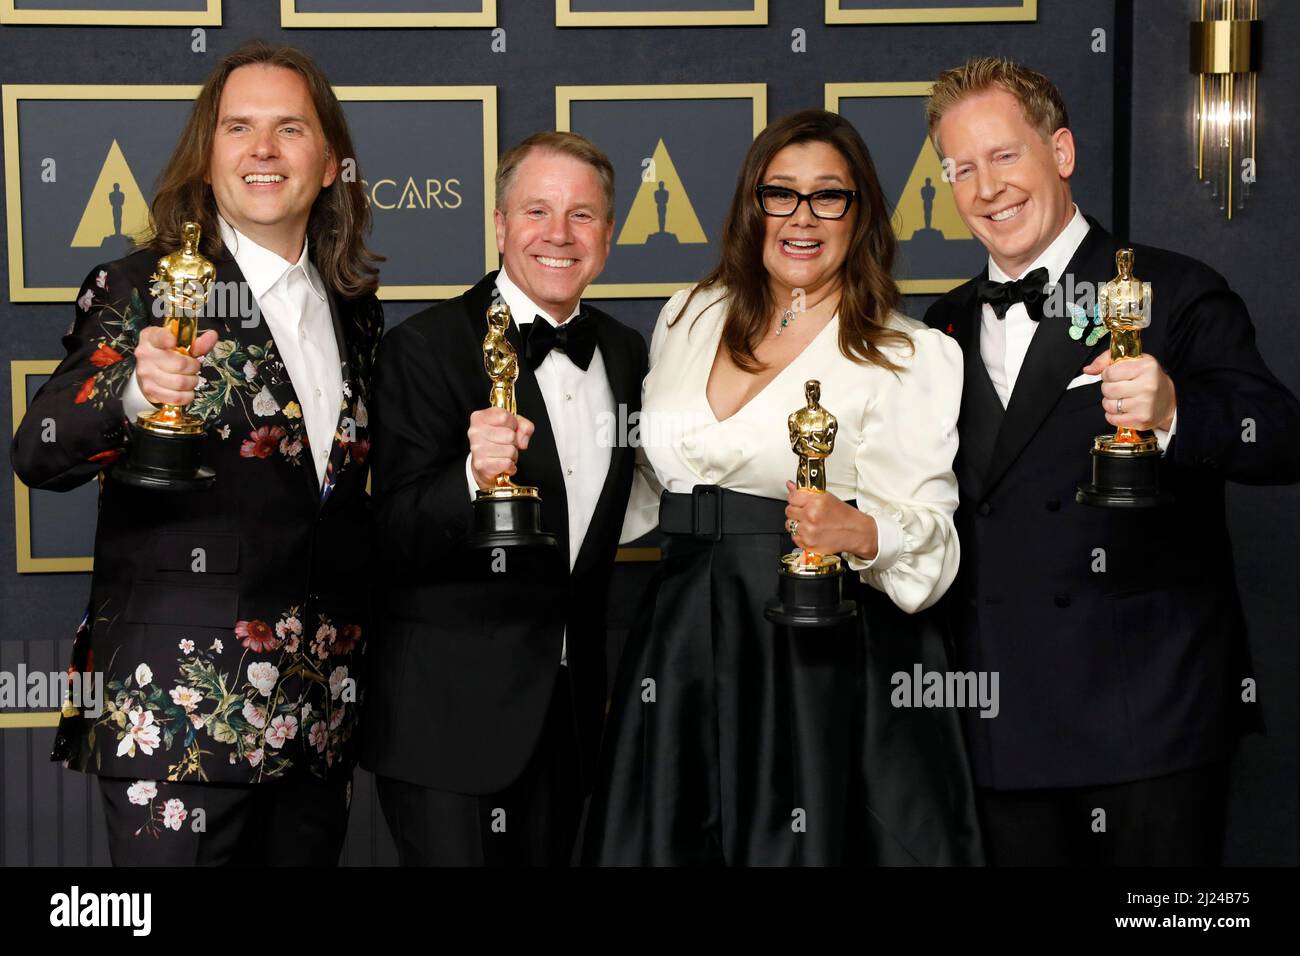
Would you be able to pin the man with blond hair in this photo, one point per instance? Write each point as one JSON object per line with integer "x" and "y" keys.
{"x": 1117, "y": 633}
{"x": 489, "y": 665}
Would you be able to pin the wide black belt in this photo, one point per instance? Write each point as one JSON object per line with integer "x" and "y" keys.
{"x": 710, "y": 511}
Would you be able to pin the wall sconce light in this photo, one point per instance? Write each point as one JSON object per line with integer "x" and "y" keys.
{"x": 1225, "y": 53}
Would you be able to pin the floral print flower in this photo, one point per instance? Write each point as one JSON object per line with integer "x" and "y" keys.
{"x": 284, "y": 727}
{"x": 361, "y": 416}
{"x": 104, "y": 356}
{"x": 87, "y": 300}
{"x": 289, "y": 630}
{"x": 255, "y": 757}
{"x": 262, "y": 443}
{"x": 263, "y": 676}
{"x": 86, "y": 391}
{"x": 293, "y": 410}
{"x": 257, "y": 636}
{"x": 143, "y": 675}
{"x": 264, "y": 403}
{"x": 318, "y": 736}
{"x": 324, "y": 640}
{"x": 174, "y": 814}
{"x": 142, "y": 792}
{"x": 254, "y": 715}
{"x": 142, "y": 733}
{"x": 287, "y": 626}
{"x": 101, "y": 280}
{"x": 347, "y": 639}
{"x": 250, "y": 371}
{"x": 187, "y": 646}
{"x": 186, "y": 697}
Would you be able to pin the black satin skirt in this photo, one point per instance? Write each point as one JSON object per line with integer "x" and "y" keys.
{"x": 734, "y": 741}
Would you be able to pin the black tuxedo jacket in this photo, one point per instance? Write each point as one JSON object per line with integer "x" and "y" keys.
{"x": 228, "y": 622}
{"x": 466, "y": 656}
{"x": 1117, "y": 634}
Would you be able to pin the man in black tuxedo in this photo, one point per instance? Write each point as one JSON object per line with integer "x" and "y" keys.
{"x": 1117, "y": 633}
{"x": 228, "y": 622}
{"x": 490, "y": 665}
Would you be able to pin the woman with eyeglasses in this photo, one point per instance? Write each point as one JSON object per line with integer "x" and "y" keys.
{"x": 731, "y": 739}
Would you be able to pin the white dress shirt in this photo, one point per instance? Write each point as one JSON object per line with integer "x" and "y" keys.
{"x": 291, "y": 298}
{"x": 893, "y": 452}
{"x": 1005, "y": 342}
{"x": 575, "y": 402}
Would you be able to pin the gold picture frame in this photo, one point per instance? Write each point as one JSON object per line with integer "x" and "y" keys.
{"x": 566, "y": 16}
{"x": 13, "y": 94}
{"x": 292, "y": 18}
{"x": 1026, "y": 11}
{"x": 834, "y": 93}
{"x": 11, "y": 15}
{"x": 566, "y": 96}
{"x": 19, "y": 370}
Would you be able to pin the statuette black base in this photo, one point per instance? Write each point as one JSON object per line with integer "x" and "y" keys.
{"x": 809, "y": 601}
{"x": 1124, "y": 479}
{"x": 164, "y": 462}
{"x": 507, "y": 522}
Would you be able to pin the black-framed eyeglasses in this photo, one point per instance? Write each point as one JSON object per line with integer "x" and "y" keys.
{"x": 824, "y": 203}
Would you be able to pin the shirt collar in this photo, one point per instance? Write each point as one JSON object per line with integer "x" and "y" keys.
{"x": 522, "y": 308}
{"x": 261, "y": 267}
{"x": 1056, "y": 256}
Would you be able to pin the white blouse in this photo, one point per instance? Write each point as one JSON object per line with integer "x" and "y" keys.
{"x": 893, "y": 452}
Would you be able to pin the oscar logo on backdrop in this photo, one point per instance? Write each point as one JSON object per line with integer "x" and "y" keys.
{"x": 931, "y": 235}
{"x": 116, "y": 210}
{"x": 662, "y": 215}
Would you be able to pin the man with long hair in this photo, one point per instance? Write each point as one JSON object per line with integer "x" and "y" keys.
{"x": 1117, "y": 633}
{"x": 228, "y": 622}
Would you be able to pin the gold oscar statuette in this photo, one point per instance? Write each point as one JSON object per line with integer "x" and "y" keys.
{"x": 1125, "y": 465}
{"x": 505, "y": 515}
{"x": 166, "y": 450}
{"x": 809, "y": 584}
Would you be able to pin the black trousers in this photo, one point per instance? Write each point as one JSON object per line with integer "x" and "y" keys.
{"x": 1173, "y": 820}
{"x": 533, "y": 822}
{"x": 297, "y": 821}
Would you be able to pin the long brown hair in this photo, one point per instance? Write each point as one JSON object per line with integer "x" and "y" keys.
{"x": 340, "y": 216}
{"x": 868, "y": 290}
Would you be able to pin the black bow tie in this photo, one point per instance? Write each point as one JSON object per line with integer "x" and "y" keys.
{"x": 1031, "y": 289}
{"x": 574, "y": 338}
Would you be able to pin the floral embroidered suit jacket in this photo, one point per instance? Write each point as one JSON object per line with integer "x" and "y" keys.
{"x": 229, "y": 623}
